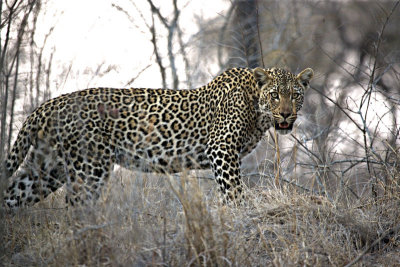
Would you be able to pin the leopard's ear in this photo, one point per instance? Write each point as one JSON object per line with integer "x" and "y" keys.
{"x": 305, "y": 76}
{"x": 261, "y": 76}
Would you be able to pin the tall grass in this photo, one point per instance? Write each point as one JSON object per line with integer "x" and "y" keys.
{"x": 145, "y": 220}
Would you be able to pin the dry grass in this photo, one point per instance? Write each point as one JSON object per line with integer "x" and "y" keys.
{"x": 158, "y": 221}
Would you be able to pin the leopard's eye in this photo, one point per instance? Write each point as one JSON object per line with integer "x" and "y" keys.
{"x": 295, "y": 95}
{"x": 274, "y": 95}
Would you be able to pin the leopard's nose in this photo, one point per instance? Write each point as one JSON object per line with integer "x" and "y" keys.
{"x": 285, "y": 115}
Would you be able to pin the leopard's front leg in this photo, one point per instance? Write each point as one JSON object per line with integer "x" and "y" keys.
{"x": 225, "y": 163}
{"x": 229, "y": 131}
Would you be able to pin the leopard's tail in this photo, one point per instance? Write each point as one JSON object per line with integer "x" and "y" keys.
{"x": 21, "y": 146}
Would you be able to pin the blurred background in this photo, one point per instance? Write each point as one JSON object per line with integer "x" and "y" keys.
{"x": 346, "y": 143}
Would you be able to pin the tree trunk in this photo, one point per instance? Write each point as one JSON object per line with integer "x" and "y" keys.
{"x": 245, "y": 50}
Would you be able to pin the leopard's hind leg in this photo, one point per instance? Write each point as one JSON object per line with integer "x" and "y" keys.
{"x": 42, "y": 173}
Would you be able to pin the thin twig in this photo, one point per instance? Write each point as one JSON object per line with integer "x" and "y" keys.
{"x": 337, "y": 105}
{"x": 259, "y": 36}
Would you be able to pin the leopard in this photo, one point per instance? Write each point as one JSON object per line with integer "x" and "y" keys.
{"x": 77, "y": 138}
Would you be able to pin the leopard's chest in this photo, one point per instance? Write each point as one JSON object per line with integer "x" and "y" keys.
{"x": 261, "y": 124}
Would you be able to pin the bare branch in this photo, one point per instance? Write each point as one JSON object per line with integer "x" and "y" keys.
{"x": 157, "y": 53}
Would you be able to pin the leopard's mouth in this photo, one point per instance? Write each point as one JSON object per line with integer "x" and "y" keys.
{"x": 284, "y": 126}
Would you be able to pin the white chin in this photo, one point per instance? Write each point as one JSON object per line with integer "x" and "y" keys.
{"x": 284, "y": 131}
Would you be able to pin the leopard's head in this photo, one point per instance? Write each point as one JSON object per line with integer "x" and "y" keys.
{"x": 282, "y": 95}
